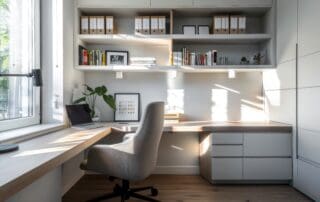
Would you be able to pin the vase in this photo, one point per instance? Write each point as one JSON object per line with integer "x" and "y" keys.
{"x": 97, "y": 115}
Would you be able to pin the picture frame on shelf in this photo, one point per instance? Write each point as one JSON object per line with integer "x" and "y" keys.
{"x": 117, "y": 57}
{"x": 127, "y": 107}
{"x": 203, "y": 29}
{"x": 189, "y": 29}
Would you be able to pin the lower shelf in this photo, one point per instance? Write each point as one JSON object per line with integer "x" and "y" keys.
{"x": 191, "y": 69}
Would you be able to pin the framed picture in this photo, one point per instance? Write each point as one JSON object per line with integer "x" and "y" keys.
{"x": 127, "y": 107}
{"x": 117, "y": 57}
{"x": 189, "y": 29}
{"x": 203, "y": 29}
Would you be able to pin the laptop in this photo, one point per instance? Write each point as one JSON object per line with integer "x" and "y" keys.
{"x": 79, "y": 116}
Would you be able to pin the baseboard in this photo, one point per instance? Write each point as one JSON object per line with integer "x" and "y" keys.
{"x": 177, "y": 170}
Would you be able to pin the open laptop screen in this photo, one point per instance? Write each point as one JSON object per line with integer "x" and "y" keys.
{"x": 78, "y": 114}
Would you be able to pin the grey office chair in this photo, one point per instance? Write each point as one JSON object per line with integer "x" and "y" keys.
{"x": 131, "y": 160}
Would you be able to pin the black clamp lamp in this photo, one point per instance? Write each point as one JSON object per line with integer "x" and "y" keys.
{"x": 37, "y": 82}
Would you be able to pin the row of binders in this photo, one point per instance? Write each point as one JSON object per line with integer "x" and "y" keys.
{"x": 96, "y": 25}
{"x": 150, "y": 25}
{"x": 92, "y": 57}
{"x": 229, "y": 24}
{"x": 185, "y": 57}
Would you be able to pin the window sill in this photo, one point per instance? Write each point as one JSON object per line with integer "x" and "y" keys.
{"x": 22, "y": 134}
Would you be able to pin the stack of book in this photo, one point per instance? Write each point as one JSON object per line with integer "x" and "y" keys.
{"x": 185, "y": 57}
{"x": 92, "y": 57}
{"x": 172, "y": 117}
{"x": 147, "y": 61}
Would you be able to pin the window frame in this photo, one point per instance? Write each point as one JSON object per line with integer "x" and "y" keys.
{"x": 9, "y": 124}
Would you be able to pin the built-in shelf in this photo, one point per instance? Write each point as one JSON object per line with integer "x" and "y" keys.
{"x": 191, "y": 69}
{"x": 122, "y": 39}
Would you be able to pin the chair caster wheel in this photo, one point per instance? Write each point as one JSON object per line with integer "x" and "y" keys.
{"x": 154, "y": 192}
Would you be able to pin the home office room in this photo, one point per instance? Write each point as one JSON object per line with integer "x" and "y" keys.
{"x": 145, "y": 100}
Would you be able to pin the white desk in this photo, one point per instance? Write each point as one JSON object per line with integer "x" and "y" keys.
{"x": 40, "y": 155}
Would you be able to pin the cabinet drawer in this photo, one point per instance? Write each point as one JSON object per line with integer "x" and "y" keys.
{"x": 226, "y": 169}
{"x": 267, "y": 144}
{"x": 227, "y": 138}
{"x": 267, "y": 168}
{"x": 227, "y": 150}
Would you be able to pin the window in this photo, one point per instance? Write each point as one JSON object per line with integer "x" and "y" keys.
{"x": 19, "y": 54}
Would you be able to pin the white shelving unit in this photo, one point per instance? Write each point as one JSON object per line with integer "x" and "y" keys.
{"x": 258, "y": 39}
{"x": 185, "y": 69}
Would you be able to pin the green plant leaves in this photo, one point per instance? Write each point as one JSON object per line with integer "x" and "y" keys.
{"x": 82, "y": 99}
{"x": 110, "y": 101}
{"x": 101, "y": 90}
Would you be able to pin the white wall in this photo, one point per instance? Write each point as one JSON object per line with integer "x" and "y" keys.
{"x": 200, "y": 96}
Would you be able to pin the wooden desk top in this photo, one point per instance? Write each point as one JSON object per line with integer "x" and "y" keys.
{"x": 209, "y": 126}
{"x": 40, "y": 155}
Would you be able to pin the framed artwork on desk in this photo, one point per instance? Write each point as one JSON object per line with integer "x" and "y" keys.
{"x": 127, "y": 107}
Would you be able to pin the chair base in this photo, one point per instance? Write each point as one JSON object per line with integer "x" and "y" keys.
{"x": 124, "y": 192}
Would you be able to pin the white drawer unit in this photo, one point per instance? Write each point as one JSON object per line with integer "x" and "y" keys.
{"x": 226, "y": 168}
{"x": 227, "y": 138}
{"x": 227, "y": 151}
{"x": 267, "y": 168}
{"x": 267, "y": 145}
{"x": 247, "y": 157}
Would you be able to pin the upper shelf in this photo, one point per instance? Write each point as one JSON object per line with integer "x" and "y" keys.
{"x": 123, "y": 39}
{"x": 186, "y": 69}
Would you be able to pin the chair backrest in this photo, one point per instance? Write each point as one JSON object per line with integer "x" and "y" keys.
{"x": 147, "y": 139}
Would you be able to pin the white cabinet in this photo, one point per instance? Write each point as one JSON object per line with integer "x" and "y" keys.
{"x": 308, "y": 179}
{"x": 287, "y": 30}
{"x": 227, "y": 151}
{"x": 251, "y": 156}
{"x": 267, "y": 168}
{"x": 227, "y": 138}
{"x": 226, "y": 168}
{"x": 267, "y": 144}
{"x": 309, "y": 147}
{"x": 113, "y": 4}
{"x": 231, "y": 3}
{"x": 171, "y": 4}
{"x": 309, "y": 30}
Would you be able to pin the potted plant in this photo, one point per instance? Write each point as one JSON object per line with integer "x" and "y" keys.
{"x": 90, "y": 96}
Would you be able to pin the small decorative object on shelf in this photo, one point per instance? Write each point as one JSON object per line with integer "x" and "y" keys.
{"x": 89, "y": 97}
{"x": 128, "y": 107}
{"x": 223, "y": 60}
{"x": 203, "y": 29}
{"x": 117, "y": 57}
{"x": 189, "y": 29}
{"x": 244, "y": 61}
{"x": 257, "y": 59}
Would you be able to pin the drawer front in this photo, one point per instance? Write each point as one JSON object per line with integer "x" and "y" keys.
{"x": 267, "y": 169}
{"x": 227, "y": 150}
{"x": 226, "y": 169}
{"x": 267, "y": 145}
{"x": 227, "y": 138}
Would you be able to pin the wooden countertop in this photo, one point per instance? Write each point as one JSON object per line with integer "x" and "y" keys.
{"x": 40, "y": 155}
{"x": 209, "y": 126}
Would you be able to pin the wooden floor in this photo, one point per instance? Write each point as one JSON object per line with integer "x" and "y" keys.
{"x": 174, "y": 188}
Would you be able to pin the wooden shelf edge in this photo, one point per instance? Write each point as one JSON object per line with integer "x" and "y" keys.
{"x": 186, "y": 69}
